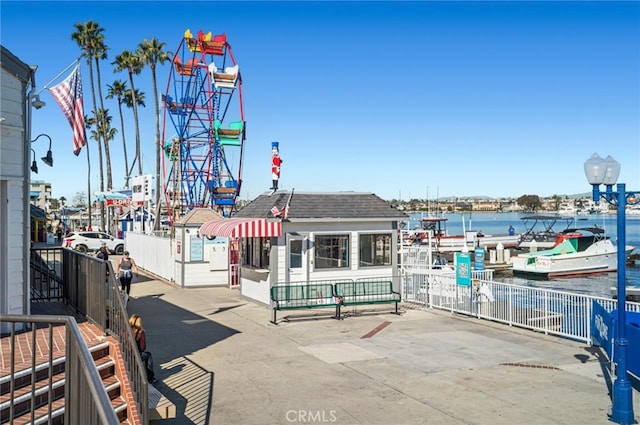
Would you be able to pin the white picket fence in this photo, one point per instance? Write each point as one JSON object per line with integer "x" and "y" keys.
{"x": 549, "y": 311}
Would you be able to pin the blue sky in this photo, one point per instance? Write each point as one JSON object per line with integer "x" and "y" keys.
{"x": 403, "y": 99}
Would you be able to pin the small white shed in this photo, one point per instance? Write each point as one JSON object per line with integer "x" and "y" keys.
{"x": 312, "y": 236}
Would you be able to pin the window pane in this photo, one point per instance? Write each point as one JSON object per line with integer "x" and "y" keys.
{"x": 375, "y": 250}
{"x": 255, "y": 252}
{"x": 295, "y": 253}
{"x": 332, "y": 251}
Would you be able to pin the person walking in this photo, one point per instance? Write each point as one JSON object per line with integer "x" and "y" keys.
{"x": 140, "y": 336}
{"x": 103, "y": 252}
{"x": 124, "y": 270}
{"x": 59, "y": 234}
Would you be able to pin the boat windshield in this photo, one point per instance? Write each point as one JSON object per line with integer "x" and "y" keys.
{"x": 547, "y": 222}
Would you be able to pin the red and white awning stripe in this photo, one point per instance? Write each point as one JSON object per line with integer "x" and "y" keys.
{"x": 242, "y": 228}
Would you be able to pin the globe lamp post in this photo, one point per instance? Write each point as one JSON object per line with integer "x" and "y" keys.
{"x": 605, "y": 171}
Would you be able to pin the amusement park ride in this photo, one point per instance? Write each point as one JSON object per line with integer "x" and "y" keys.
{"x": 204, "y": 127}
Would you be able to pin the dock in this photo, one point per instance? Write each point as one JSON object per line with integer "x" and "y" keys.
{"x": 633, "y": 293}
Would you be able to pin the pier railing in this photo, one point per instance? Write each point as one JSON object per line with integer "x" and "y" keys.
{"x": 550, "y": 311}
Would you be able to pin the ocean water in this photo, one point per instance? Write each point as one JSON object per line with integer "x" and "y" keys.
{"x": 498, "y": 223}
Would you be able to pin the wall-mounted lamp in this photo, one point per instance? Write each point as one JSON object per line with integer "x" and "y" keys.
{"x": 36, "y": 102}
{"x": 48, "y": 159}
{"x": 34, "y": 164}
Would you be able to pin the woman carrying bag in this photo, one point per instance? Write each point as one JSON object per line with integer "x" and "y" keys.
{"x": 141, "y": 340}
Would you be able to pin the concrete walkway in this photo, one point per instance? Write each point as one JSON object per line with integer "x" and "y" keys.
{"x": 221, "y": 361}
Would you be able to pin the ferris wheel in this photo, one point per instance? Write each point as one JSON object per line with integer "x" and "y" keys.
{"x": 204, "y": 127}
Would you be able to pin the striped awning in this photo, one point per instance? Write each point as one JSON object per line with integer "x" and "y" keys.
{"x": 241, "y": 228}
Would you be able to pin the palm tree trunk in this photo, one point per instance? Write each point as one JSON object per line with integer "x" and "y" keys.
{"x": 124, "y": 146}
{"x": 158, "y": 210}
{"x": 98, "y": 123}
{"x": 93, "y": 98}
{"x": 88, "y": 183}
{"x": 107, "y": 156}
{"x": 136, "y": 122}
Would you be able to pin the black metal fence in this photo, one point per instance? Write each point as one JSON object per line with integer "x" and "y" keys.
{"x": 88, "y": 285}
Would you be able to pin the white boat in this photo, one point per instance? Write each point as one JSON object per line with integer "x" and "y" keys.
{"x": 577, "y": 252}
{"x": 539, "y": 232}
{"x": 445, "y": 242}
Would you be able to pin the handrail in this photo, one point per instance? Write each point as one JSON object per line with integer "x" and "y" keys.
{"x": 85, "y": 289}
{"x": 118, "y": 326}
{"x": 80, "y": 369}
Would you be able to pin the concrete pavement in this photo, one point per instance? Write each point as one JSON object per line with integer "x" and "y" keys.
{"x": 221, "y": 361}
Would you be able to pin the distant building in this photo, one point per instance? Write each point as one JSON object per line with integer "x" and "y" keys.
{"x": 40, "y": 194}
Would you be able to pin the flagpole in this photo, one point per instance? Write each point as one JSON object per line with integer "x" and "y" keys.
{"x": 58, "y": 76}
{"x": 286, "y": 208}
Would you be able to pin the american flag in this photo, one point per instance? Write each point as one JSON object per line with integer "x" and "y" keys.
{"x": 68, "y": 94}
{"x": 276, "y": 211}
{"x": 284, "y": 213}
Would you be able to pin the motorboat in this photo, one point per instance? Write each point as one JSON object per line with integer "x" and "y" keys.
{"x": 577, "y": 251}
{"x": 545, "y": 237}
{"x": 435, "y": 228}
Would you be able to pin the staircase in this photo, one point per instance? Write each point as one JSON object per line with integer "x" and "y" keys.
{"x": 43, "y": 388}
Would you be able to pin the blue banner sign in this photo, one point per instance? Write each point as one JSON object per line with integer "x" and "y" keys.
{"x": 479, "y": 258}
{"x": 633, "y": 349}
{"x": 603, "y": 333}
{"x": 601, "y": 327}
{"x": 463, "y": 268}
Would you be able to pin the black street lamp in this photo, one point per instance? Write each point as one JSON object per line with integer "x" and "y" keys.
{"x": 48, "y": 159}
{"x": 606, "y": 171}
{"x": 34, "y": 164}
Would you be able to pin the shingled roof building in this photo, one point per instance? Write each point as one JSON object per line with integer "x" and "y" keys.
{"x": 301, "y": 237}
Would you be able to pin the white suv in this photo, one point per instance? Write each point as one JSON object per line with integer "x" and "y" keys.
{"x": 91, "y": 241}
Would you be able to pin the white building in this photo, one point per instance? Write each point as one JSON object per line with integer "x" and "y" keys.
{"x": 17, "y": 84}
{"x": 325, "y": 236}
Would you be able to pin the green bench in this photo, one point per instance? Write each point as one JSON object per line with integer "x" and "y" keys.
{"x": 305, "y": 295}
{"x": 367, "y": 292}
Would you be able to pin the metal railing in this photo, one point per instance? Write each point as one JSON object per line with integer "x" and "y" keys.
{"x": 86, "y": 399}
{"x": 89, "y": 286}
{"x": 550, "y": 311}
{"x": 117, "y": 325}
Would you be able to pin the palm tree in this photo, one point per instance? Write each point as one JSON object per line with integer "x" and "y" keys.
{"x": 89, "y": 38}
{"x": 100, "y": 52}
{"x": 88, "y": 122}
{"x": 117, "y": 90}
{"x": 133, "y": 65}
{"x": 128, "y": 100}
{"x": 106, "y": 133}
{"x": 152, "y": 53}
